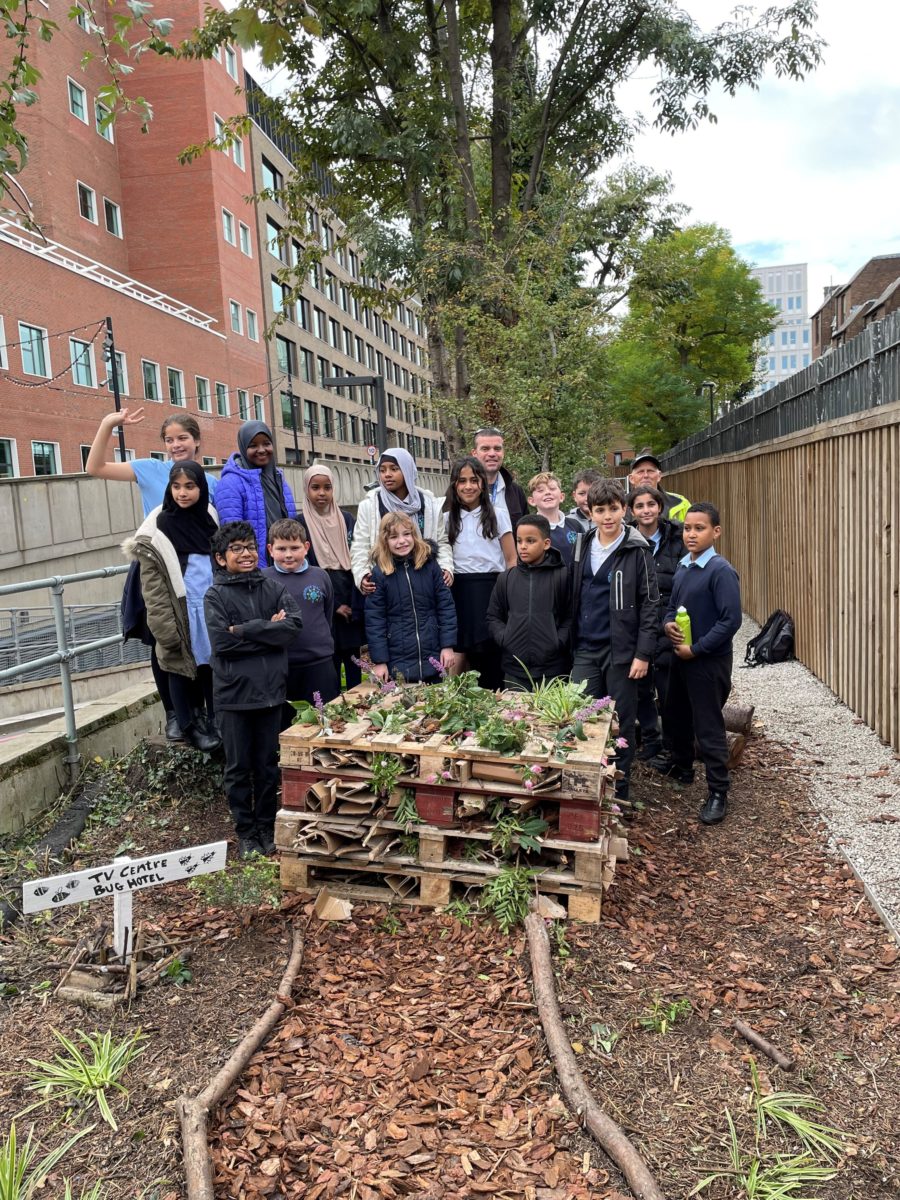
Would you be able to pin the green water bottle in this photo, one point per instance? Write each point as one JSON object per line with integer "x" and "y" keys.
{"x": 683, "y": 621}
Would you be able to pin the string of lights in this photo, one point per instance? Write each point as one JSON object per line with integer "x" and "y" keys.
{"x": 141, "y": 400}
{"x": 45, "y": 381}
{"x": 59, "y": 333}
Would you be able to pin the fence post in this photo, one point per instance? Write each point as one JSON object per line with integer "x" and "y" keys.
{"x": 72, "y": 758}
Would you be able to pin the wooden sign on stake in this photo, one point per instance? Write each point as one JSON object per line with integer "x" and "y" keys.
{"x": 119, "y": 880}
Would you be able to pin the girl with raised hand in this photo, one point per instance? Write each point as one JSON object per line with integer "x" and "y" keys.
{"x": 252, "y": 488}
{"x": 481, "y": 539}
{"x": 410, "y": 618}
{"x": 397, "y": 493}
{"x": 172, "y": 547}
{"x": 330, "y": 531}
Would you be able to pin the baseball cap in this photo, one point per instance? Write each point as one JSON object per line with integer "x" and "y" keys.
{"x": 646, "y": 455}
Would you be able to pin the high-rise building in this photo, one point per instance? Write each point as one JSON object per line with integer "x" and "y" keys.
{"x": 787, "y": 348}
{"x": 182, "y": 262}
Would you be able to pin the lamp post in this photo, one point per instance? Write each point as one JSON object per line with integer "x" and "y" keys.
{"x": 376, "y": 382}
{"x": 710, "y": 386}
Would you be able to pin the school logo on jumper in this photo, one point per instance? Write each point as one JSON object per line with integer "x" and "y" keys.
{"x": 313, "y": 594}
{"x": 571, "y": 537}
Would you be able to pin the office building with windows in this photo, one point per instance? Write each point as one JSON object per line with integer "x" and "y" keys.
{"x": 114, "y": 225}
{"x": 787, "y": 349}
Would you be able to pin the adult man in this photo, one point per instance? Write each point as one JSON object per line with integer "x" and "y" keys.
{"x": 504, "y": 489}
{"x": 646, "y": 468}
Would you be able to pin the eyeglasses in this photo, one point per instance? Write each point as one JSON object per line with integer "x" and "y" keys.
{"x": 240, "y": 548}
{"x": 487, "y": 431}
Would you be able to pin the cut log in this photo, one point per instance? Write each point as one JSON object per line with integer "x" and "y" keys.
{"x": 608, "y": 1133}
{"x": 736, "y": 745}
{"x": 738, "y": 717}
{"x": 749, "y": 1034}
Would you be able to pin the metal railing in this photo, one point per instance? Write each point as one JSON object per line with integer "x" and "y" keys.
{"x": 65, "y": 653}
{"x": 29, "y": 633}
{"x": 862, "y": 374}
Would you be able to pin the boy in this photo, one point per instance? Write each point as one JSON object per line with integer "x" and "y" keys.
{"x": 311, "y": 666}
{"x": 581, "y": 485}
{"x": 616, "y": 612}
{"x": 707, "y": 586}
{"x": 251, "y": 621}
{"x": 546, "y": 495}
{"x": 529, "y": 614}
{"x": 646, "y": 505}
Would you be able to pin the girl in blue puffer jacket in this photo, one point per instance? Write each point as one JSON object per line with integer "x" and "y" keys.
{"x": 252, "y": 488}
{"x": 410, "y": 617}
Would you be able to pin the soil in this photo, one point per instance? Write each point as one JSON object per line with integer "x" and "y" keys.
{"x": 412, "y": 1061}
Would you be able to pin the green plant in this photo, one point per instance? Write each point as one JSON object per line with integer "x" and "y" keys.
{"x": 603, "y": 1037}
{"x": 462, "y": 910}
{"x": 785, "y": 1109}
{"x": 508, "y": 895}
{"x": 177, "y": 973}
{"x": 662, "y": 1014}
{"x": 778, "y": 1179}
{"x": 94, "y": 1193}
{"x": 511, "y": 831}
{"x": 20, "y": 1174}
{"x": 406, "y": 812}
{"x": 504, "y": 734}
{"x": 409, "y": 845}
{"x": 85, "y": 1073}
{"x": 394, "y": 720}
{"x": 307, "y": 714}
{"x": 390, "y": 923}
{"x": 386, "y": 772}
{"x": 472, "y": 851}
{"x": 247, "y": 885}
{"x": 457, "y": 702}
{"x": 559, "y": 939}
{"x": 558, "y": 700}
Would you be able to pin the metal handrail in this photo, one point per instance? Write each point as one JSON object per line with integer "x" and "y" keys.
{"x": 64, "y": 653}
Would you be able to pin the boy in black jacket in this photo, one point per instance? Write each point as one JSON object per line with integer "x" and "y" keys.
{"x": 707, "y": 586}
{"x": 311, "y": 669}
{"x": 615, "y": 612}
{"x": 251, "y": 621}
{"x": 529, "y": 614}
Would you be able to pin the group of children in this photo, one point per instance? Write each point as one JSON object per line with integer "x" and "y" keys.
{"x": 438, "y": 590}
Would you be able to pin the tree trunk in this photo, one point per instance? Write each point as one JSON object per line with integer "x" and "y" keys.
{"x": 461, "y": 144}
{"x": 501, "y": 116}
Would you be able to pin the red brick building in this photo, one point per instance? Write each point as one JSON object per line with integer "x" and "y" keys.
{"x": 870, "y": 295}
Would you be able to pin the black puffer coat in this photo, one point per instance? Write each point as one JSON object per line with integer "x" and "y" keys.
{"x": 530, "y": 616}
{"x": 410, "y": 617}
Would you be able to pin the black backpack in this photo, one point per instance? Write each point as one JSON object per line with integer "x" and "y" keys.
{"x": 774, "y": 643}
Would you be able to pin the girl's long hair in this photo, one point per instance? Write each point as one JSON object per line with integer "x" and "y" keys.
{"x": 383, "y": 557}
{"x": 452, "y": 506}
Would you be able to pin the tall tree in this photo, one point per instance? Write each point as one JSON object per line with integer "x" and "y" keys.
{"x": 695, "y": 317}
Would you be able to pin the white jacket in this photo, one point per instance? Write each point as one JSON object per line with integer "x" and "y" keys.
{"x": 365, "y": 533}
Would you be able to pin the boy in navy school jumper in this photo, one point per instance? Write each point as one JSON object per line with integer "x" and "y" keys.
{"x": 616, "y": 612}
{"x": 707, "y": 586}
{"x": 311, "y": 666}
{"x": 546, "y": 495}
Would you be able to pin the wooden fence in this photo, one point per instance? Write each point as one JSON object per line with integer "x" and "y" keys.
{"x": 812, "y": 523}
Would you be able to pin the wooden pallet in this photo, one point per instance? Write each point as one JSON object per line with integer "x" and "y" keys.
{"x": 417, "y": 885}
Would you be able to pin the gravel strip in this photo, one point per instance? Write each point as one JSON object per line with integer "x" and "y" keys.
{"x": 855, "y": 777}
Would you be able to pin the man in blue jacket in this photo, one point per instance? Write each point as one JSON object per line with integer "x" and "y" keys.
{"x": 707, "y": 586}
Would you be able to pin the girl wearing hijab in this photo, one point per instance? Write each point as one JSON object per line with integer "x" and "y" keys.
{"x": 330, "y": 530}
{"x": 252, "y": 488}
{"x": 172, "y": 547}
{"x": 397, "y": 493}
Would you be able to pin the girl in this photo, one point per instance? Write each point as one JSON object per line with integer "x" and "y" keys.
{"x": 482, "y": 543}
{"x": 397, "y": 493}
{"x": 172, "y": 547}
{"x": 181, "y": 439}
{"x": 252, "y": 488}
{"x": 330, "y": 531}
{"x": 410, "y": 618}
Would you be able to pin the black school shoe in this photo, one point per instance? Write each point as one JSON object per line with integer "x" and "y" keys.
{"x": 664, "y": 765}
{"x": 265, "y": 835}
{"x": 173, "y": 729}
{"x": 249, "y": 845}
{"x": 713, "y": 811}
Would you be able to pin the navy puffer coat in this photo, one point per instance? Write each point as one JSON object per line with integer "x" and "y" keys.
{"x": 410, "y": 618}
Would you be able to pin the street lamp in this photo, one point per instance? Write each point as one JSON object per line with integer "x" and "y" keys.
{"x": 378, "y": 431}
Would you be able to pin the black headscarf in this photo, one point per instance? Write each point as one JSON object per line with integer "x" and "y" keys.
{"x": 273, "y": 492}
{"x": 188, "y": 529}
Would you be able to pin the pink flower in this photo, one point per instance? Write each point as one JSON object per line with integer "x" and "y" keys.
{"x": 622, "y": 743}
{"x": 536, "y": 770}
{"x": 614, "y": 808}
{"x": 528, "y": 784}
{"x": 431, "y": 778}
{"x": 446, "y": 775}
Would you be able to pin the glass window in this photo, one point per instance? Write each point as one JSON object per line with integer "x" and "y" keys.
{"x": 303, "y": 313}
{"x": 273, "y": 180}
{"x": 324, "y": 371}
{"x": 237, "y": 152}
{"x": 113, "y": 216}
{"x": 319, "y": 325}
{"x": 87, "y": 202}
{"x": 806, "y": 360}
{"x": 793, "y": 362}
{"x": 330, "y": 288}
{"x": 150, "y": 374}
{"x": 221, "y": 399}
{"x": 287, "y": 411}
{"x": 121, "y": 371}
{"x": 231, "y": 62}
{"x": 805, "y": 337}
{"x": 34, "y": 348}
{"x": 257, "y": 407}
{"x": 234, "y": 310}
{"x": 78, "y": 108}
{"x": 784, "y": 337}
{"x": 327, "y": 421}
{"x": 334, "y": 333}
{"x": 793, "y": 337}
{"x": 252, "y": 326}
{"x": 790, "y": 302}
{"x": 243, "y": 404}
{"x": 246, "y": 244}
{"x": 798, "y": 302}
{"x": 784, "y": 362}
{"x": 354, "y": 430}
{"x": 310, "y": 416}
{"x": 228, "y": 227}
{"x": 306, "y": 366}
{"x": 103, "y": 122}
{"x": 80, "y": 17}
{"x": 9, "y": 466}
{"x": 285, "y": 351}
{"x": 175, "y": 379}
{"x": 45, "y": 456}
{"x": 82, "y": 359}
{"x": 204, "y": 403}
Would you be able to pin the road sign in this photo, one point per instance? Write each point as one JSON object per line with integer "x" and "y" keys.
{"x": 119, "y": 879}
{"x": 372, "y": 451}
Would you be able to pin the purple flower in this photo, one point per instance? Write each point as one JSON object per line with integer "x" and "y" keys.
{"x": 605, "y": 702}
{"x": 614, "y": 808}
{"x": 622, "y": 743}
{"x": 438, "y": 666}
{"x": 318, "y": 702}
{"x": 388, "y": 686}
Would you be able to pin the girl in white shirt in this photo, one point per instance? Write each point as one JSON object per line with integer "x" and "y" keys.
{"x": 480, "y": 536}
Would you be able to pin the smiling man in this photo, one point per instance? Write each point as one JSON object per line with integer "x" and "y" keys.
{"x": 489, "y": 449}
{"x": 646, "y": 468}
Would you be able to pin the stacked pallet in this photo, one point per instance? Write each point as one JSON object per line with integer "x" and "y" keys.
{"x": 335, "y": 827}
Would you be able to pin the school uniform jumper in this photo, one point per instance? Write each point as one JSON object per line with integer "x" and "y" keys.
{"x": 668, "y": 550}
{"x": 710, "y": 591}
{"x": 530, "y": 619}
{"x": 311, "y": 653}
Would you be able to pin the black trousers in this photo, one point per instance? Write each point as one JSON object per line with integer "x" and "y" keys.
{"x": 250, "y": 738}
{"x": 304, "y": 681}
{"x": 651, "y": 702}
{"x": 161, "y": 679}
{"x": 698, "y": 689}
{"x": 191, "y": 694}
{"x": 605, "y": 678}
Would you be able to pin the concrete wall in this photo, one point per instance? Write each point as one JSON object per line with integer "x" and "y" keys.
{"x": 62, "y": 524}
{"x": 45, "y": 695}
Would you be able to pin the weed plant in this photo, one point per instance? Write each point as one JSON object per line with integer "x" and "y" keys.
{"x": 22, "y": 1174}
{"x": 247, "y": 885}
{"x": 507, "y": 896}
{"x": 85, "y": 1073}
{"x": 662, "y": 1014}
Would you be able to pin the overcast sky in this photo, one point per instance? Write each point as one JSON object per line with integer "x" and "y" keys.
{"x": 800, "y": 172}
